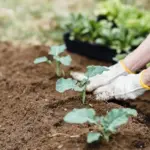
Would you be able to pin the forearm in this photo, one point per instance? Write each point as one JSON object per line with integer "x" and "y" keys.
{"x": 139, "y": 57}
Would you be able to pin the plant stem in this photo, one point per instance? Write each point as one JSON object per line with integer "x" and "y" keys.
{"x": 58, "y": 72}
{"x": 63, "y": 73}
{"x": 83, "y": 96}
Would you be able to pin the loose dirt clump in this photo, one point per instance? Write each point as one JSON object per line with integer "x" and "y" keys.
{"x": 31, "y": 111}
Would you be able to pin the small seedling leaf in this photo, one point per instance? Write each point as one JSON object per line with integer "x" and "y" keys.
{"x": 116, "y": 118}
{"x": 95, "y": 70}
{"x": 78, "y": 88}
{"x": 93, "y": 136}
{"x": 56, "y": 50}
{"x": 63, "y": 85}
{"x": 98, "y": 119}
{"x": 80, "y": 116}
{"x": 66, "y": 60}
{"x": 41, "y": 60}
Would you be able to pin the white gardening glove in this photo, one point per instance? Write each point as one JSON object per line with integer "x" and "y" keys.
{"x": 105, "y": 78}
{"x": 124, "y": 87}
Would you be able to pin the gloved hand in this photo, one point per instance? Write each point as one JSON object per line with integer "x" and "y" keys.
{"x": 124, "y": 87}
{"x": 105, "y": 78}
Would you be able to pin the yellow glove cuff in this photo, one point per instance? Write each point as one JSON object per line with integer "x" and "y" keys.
{"x": 142, "y": 83}
{"x": 125, "y": 68}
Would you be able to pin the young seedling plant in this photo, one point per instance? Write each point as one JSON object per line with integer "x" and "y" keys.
{"x": 55, "y": 52}
{"x": 105, "y": 125}
{"x": 63, "y": 85}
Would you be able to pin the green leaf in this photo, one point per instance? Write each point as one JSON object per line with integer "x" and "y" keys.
{"x": 63, "y": 85}
{"x": 148, "y": 65}
{"x": 93, "y": 136}
{"x": 65, "y": 60}
{"x": 138, "y": 41}
{"x": 95, "y": 70}
{"x": 100, "y": 41}
{"x": 119, "y": 57}
{"x": 98, "y": 119}
{"x": 78, "y": 88}
{"x": 80, "y": 116}
{"x": 116, "y": 117}
{"x": 56, "y": 50}
{"x": 41, "y": 60}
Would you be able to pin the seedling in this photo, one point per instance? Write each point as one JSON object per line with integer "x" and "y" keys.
{"x": 105, "y": 125}
{"x": 63, "y": 85}
{"x": 55, "y": 52}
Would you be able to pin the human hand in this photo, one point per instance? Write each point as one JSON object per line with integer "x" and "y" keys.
{"x": 124, "y": 87}
{"x": 101, "y": 80}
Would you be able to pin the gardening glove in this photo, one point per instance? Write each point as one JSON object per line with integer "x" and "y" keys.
{"x": 105, "y": 78}
{"x": 124, "y": 87}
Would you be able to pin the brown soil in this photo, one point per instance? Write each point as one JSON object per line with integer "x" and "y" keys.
{"x": 31, "y": 111}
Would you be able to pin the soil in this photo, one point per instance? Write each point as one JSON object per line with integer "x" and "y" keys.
{"x": 31, "y": 111}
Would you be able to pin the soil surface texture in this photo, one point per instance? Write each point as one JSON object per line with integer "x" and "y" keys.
{"x": 31, "y": 111}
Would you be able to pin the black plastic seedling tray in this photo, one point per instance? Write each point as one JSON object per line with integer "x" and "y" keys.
{"x": 96, "y": 51}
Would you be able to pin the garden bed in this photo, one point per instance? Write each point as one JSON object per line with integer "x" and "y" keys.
{"x": 31, "y": 111}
